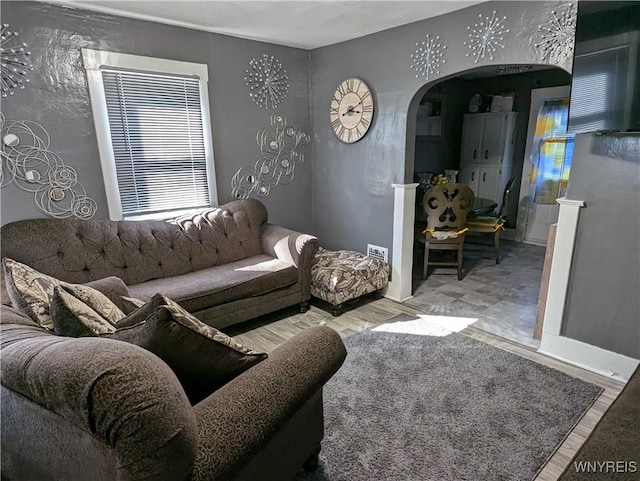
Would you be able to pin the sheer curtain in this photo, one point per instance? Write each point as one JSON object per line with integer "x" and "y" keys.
{"x": 552, "y": 151}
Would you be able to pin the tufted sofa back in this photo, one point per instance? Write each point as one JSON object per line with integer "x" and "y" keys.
{"x": 80, "y": 251}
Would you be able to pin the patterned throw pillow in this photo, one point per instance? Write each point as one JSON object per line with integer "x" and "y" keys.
{"x": 72, "y": 317}
{"x": 203, "y": 358}
{"x": 31, "y": 292}
{"x": 142, "y": 311}
{"x": 130, "y": 304}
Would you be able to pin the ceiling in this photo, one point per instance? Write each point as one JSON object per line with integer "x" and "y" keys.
{"x": 303, "y": 24}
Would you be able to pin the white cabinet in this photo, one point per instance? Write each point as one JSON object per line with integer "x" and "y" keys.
{"x": 469, "y": 175}
{"x": 484, "y": 180}
{"x": 429, "y": 126}
{"x": 486, "y": 153}
{"x": 472, "y": 127}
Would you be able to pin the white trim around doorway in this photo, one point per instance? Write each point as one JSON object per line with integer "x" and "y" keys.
{"x": 404, "y": 214}
{"x": 553, "y": 343}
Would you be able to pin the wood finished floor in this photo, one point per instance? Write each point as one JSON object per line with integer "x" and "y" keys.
{"x": 268, "y": 332}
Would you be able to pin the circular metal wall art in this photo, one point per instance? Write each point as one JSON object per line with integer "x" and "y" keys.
{"x": 555, "y": 37}
{"x": 486, "y": 36}
{"x": 267, "y": 81}
{"x": 15, "y": 62}
{"x": 281, "y": 148}
{"x": 428, "y": 57}
{"x": 28, "y": 163}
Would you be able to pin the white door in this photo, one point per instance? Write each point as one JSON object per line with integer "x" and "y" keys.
{"x": 534, "y": 218}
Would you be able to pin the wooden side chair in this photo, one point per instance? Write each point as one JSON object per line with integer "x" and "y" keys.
{"x": 446, "y": 206}
{"x": 493, "y": 224}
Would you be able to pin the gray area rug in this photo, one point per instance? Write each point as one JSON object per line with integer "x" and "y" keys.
{"x": 408, "y": 407}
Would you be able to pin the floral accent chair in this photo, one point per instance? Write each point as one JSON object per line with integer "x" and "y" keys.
{"x": 341, "y": 276}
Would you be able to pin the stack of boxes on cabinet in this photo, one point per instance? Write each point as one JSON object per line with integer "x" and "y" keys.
{"x": 429, "y": 119}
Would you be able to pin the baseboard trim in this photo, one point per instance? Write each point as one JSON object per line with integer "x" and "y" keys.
{"x": 397, "y": 299}
{"x": 592, "y": 358}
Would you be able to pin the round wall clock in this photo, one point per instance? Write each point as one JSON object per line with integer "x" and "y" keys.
{"x": 351, "y": 110}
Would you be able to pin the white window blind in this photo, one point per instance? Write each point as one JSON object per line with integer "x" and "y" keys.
{"x": 157, "y": 135}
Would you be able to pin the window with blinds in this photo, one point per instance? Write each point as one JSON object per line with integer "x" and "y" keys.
{"x": 157, "y": 135}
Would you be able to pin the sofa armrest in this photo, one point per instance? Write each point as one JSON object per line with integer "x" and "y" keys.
{"x": 239, "y": 418}
{"x": 113, "y": 287}
{"x": 294, "y": 247}
{"x": 125, "y": 396}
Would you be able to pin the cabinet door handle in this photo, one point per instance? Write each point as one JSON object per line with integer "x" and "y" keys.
{"x": 484, "y": 177}
{"x": 473, "y": 176}
{"x": 486, "y": 154}
{"x": 475, "y": 153}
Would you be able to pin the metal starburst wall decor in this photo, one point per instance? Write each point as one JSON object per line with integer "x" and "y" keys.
{"x": 428, "y": 57}
{"x": 486, "y": 36}
{"x": 556, "y": 36}
{"x": 267, "y": 81}
{"x": 15, "y": 62}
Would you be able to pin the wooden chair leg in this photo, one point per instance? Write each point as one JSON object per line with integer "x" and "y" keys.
{"x": 496, "y": 245}
{"x": 425, "y": 266}
{"x": 459, "y": 256}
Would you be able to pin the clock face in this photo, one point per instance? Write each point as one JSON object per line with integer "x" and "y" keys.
{"x": 351, "y": 110}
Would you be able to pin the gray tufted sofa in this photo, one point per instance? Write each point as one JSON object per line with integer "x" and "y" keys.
{"x": 225, "y": 264}
{"x": 79, "y": 409}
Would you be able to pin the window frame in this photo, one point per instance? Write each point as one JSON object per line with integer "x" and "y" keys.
{"x": 94, "y": 60}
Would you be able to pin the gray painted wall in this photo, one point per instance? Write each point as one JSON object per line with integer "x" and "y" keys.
{"x": 352, "y": 193}
{"x": 603, "y": 301}
{"x": 57, "y": 97}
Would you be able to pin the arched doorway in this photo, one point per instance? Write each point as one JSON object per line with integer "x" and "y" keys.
{"x": 434, "y": 140}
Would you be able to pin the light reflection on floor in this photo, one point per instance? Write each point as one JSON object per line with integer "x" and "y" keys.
{"x": 427, "y": 325}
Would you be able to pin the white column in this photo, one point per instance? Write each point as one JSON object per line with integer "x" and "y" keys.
{"x": 404, "y": 213}
{"x": 553, "y": 343}
{"x": 561, "y": 264}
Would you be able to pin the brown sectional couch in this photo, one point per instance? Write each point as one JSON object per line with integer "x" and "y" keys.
{"x": 78, "y": 409}
{"x": 104, "y": 409}
{"x": 225, "y": 264}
